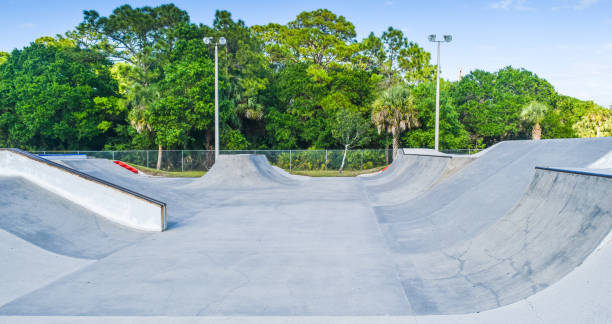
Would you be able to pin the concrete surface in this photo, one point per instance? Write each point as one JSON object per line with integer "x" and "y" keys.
{"x": 474, "y": 198}
{"x": 498, "y": 241}
{"x": 412, "y": 175}
{"x": 114, "y": 203}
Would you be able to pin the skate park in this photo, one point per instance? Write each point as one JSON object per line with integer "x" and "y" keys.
{"x": 519, "y": 232}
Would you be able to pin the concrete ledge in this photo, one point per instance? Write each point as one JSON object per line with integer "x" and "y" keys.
{"x": 116, "y": 203}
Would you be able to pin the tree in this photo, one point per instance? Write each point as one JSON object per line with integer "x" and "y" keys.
{"x": 319, "y": 37}
{"x": 394, "y": 111}
{"x": 244, "y": 73}
{"x": 534, "y": 113}
{"x": 452, "y": 133}
{"x": 595, "y": 123}
{"x": 144, "y": 38}
{"x": 490, "y": 104}
{"x": 3, "y": 57}
{"x": 54, "y": 96}
{"x": 350, "y": 130}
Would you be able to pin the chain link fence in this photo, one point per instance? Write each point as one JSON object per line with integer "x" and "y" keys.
{"x": 298, "y": 160}
{"x": 203, "y": 160}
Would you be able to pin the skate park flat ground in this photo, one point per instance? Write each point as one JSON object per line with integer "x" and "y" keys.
{"x": 490, "y": 240}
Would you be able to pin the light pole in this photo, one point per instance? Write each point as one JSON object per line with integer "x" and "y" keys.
{"x": 447, "y": 39}
{"x": 221, "y": 41}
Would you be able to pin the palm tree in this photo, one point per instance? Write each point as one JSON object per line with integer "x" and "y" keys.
{"x": 595, "y": 123}
{"x": 534, "y": 112}
{"x": 394, "y": 112}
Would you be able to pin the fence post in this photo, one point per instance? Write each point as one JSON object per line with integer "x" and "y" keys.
{"x": 113, "y": 155}
{"x": 361, "y": 159}
{"x": 325, "y": 159}
{"x": 289, "y": 160}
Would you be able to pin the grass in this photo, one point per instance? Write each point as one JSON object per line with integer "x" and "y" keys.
{"x": 334, "y": 173}
{"x": 170, "y": 174}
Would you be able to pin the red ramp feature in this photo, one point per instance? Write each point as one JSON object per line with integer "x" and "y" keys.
{"x": 126, "y": 166}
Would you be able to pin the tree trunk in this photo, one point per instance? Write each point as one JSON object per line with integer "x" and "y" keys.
{"x": 598, "y": 132}
{"x": 343, "y": 159}
{"x": 159, "y": 157}
{"x": 395, "y": 144}
{"x": 387, "y": 149}
{"x": 536, "y": 132}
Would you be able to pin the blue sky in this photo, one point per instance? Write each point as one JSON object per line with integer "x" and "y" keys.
{"x": 567, "y": 42}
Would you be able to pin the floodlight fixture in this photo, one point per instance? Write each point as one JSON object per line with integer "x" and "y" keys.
{"x": 432, "y": 38}
{"x": 207, "y": 40}
{"x": 448, "y": 38}
{"x": 222, "y": 41}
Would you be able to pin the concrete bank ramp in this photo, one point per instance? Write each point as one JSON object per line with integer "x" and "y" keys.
{"x": 243, "y": 171}
{"x": 159, "y": 188}
{"x": 111, "y": 201}
{"x": 417, "y": 173}
{"x": 559, "y": 221}
{"x": 54, "y": 223}
{"x": 468, "y": 202}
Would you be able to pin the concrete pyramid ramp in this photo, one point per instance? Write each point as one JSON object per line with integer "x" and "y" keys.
{"x": 555, "y": 226}
{"x": 244, "y": 171}
{"x": 468, "y": 202}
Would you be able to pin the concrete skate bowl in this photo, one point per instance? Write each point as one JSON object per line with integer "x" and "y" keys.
{"x": 413, "y": 174}
{"x": 469, "y": 201}
{"x": 243, "y": 171}
{"x": 558, "y": 222}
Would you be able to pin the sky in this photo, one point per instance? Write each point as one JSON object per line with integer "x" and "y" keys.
{"x": 567, "y": 42}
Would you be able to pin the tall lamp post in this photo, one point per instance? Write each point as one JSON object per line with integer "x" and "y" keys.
{"x": 447, "y": 39}
{"x": 221, "y": 41}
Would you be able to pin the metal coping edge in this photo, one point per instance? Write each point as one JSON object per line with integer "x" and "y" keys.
{"x": 84, "y": 175}
{"x": 595, "y": 174}
{"x": 434, "y": 155}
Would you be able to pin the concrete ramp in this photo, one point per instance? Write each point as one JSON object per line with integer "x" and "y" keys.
{"x": 558, "y": 222}
{"x": 55, "y": 224}
{"x": 417, "y": 174}
{"x": 468, "y": 202}
{"x": 392, "y": 170}
{"x": 113, "y": 202}
{"x": 236, "y": 171}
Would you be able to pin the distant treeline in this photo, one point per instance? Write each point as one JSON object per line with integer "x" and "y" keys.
{"x": 142, "y": 78}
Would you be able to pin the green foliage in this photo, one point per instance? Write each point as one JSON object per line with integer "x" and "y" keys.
{"x": 534, "y": 112}
{"x": 305, "y": 84}
{"x": 452, "y": 133}
{"x": 490, "y": 104}
{"x": 317, "y": 37}
{"x": 349, "y": 128}
{"x": 3, "y": 57}
{"x": 596, "y": 122}
{"x": 394, "y": 112}
{"x": 57, "y": 97}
